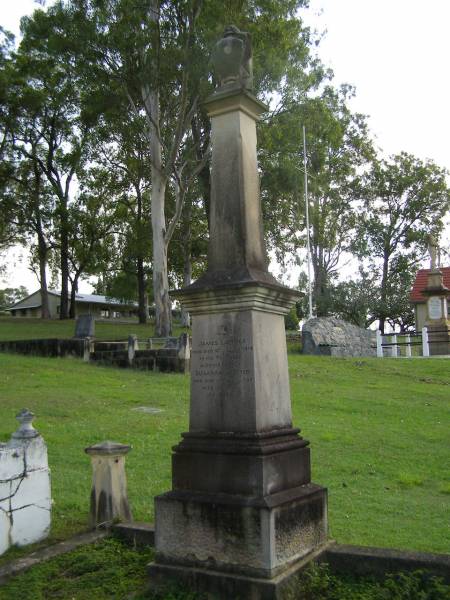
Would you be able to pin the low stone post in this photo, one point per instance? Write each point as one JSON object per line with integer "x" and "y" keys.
{"x": 109, "y": 499}
{"x": 408, "y": 346}
{"x": 379, "y": 344}
{"x": 425, "y": 345}
{"x": 133, "y": 345}
{"x": 87, "y": 349}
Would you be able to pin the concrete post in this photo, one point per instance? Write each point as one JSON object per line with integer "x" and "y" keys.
{"x": 425, "y": 345}
{"x": 394, "y": 347}
{"x": 408, "y": 346}
{"x": 87, "y": 349}
{"x": 109, "y": 499}
{"x": 379, "y": 344}
{"x": 132, "y": 347}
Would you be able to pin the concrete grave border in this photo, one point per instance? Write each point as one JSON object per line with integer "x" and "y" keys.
{"x": 341, "y": 558}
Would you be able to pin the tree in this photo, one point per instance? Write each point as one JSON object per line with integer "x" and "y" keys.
{"x": 155, "y": 56}
{"x": 49, "y": 129}
{"x": 9, "y": 296}
{"x": 337, "y": 146}
{"x": 403, "y": 201}
{"x": 121, "y": 171}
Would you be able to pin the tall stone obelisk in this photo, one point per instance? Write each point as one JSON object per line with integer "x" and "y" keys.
{"x": 437, "y": 321}
{"x": 242, "y": 510}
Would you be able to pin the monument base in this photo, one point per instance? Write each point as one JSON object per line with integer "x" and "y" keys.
{"x": 439, "y": 338}
{"x": 254, "y": 537}
{"x": 219, "y": 585}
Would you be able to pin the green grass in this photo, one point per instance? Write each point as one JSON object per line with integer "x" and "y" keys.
{"x": 100, "y": 571}
{"x": 17, "y": 328}
{"x": 378, "y": 430}
{"x": 112, "y": 570}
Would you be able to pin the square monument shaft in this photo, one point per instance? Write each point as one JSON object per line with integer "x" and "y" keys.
{"x": 236, "y": 235}
{"x": 239, "y": 373}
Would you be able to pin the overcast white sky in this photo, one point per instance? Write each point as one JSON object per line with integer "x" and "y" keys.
{"x": 396, "y": 54}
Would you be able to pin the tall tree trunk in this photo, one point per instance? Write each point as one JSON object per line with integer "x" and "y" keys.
{"x": 163, "y": 313}
{"x": 187, "y": 266}
{"x": 64, "y": 261}
{"x": 73, "y": 294}
{"x": 42, "y": 244}
{"x": 140, "y": 272}
{"x": 142, "y": 295}
{"x": 42, "y": 253}
{"x": 150, "y": 95}
{"x": 384, "y": 282}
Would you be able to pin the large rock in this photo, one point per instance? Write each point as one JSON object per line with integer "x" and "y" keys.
{"x": 329, "y": 336}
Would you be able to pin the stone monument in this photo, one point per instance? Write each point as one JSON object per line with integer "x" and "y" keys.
{"x": 84, "y": 327}
{"x": 243, "y": 514}
{"x": 437, "y": 321}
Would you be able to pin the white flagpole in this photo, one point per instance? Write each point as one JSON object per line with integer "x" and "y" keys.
{"x": 308, "y": 246}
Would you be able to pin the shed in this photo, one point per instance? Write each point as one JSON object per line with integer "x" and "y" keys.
{"x": 101, "y": 307}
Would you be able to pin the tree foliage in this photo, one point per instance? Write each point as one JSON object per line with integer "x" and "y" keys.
{"x": 403, "y": 202}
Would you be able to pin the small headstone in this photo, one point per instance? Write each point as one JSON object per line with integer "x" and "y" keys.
{"x": 85, "y": 326}
{"x": 151, "y": 410}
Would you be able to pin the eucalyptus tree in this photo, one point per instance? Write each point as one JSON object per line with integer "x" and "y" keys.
{"x": 155, "y": 54}
{"x": 8, "y": 233}
{"x": 403, "y": 201}
{"x": 49, "y": 130}
{"x": 26, "y": 204}
{"x": 119, "y": 170}
{"x": 338, "y": 146}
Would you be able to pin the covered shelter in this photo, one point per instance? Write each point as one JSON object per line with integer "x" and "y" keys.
{"x": 101, "y": 307}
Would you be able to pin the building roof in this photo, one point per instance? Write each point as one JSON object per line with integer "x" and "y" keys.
{"x": 421, "y": 281}
{"x": 84, "y": 298}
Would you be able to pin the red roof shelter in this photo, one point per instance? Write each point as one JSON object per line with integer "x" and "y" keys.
{"x": 421, "y": 280}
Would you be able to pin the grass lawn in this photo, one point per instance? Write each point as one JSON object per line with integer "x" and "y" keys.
{"x": 17, "y": 328}
{"x": 378, "y": 430}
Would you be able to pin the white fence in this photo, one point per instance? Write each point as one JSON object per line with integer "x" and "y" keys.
{"x": 25, "y": 498}
{"x": 405, "y": 344}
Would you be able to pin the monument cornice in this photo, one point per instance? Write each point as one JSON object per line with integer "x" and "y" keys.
{"x": 232, "y": 98}
{"x": 243, "y": 296}
{"x": 436, "y": 291}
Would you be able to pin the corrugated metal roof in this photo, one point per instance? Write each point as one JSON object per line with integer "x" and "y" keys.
{"x": 88, "y": 298}
{"x": 421, "y": 281}
{"x": 25, "y": 307}
{"x": 96, "y": 299}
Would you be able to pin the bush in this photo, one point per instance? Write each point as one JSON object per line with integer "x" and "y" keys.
{"x": 291, "y": 320}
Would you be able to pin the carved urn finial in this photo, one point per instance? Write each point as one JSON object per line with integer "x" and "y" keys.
{"x": 26, "y": 429}
{"x": 232, "y": 59}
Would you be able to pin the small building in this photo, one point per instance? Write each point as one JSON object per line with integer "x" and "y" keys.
{"x": 419, "y": 300}
{"x": 101, "y": 307}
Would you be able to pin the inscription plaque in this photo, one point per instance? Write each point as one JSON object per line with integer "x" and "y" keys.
{"x": 212, "y": 358}
{"x": 435, "y": 308}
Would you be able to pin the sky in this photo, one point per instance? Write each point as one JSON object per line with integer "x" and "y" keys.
{"x": 395, "y": 53}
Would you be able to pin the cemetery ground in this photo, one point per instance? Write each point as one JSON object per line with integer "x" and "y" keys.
{"x": 378, "y": 430}
{"x": 16, "y": 328}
